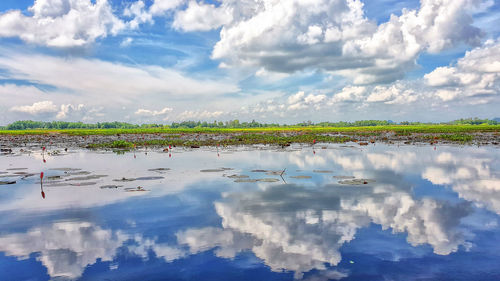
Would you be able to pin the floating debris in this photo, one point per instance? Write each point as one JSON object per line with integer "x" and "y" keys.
{"x": 7, "y": 182}
{"x": 110, "y": 186}
{"x": 356, "y": 181}
{"x": 55, "y": 153}
{"x": 124, "y": 179}
{"x": 246, "y": 180}
{"x": 148, "y": 178}
{"x": 343, "y": 177}
{"x": 16, "y": 169}
{"x": 83, "y": 183}
{"x": 275, "y": 173}
{"x": 54, "y": 178}
{"x": 212, "y": 170}
{"x": 268, "y": 180}
{"x": 20, "y": 173}
{"x": 159, "y": 170}
{"x": 77, "y": 173}
{"x": 65, "y": 169}
{"x": 55, "y": 184}
{"x": 301, "y": 177}
{"x": 226, "y": 169}
{"x": 323, "y": 171}
{"x": 238, "y": 176}
{"x": 27, "y": 176}
{"x": 259, "y": 171}
{"x": 139, "y": 188}
{"x": 91, "y": 177}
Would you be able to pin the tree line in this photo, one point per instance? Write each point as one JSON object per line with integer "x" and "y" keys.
{"x": 28, "y": 124}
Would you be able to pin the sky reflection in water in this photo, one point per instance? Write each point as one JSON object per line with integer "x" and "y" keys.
{"x": 430, "y": 214}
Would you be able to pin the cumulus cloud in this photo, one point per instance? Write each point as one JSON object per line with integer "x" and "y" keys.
{"x": 198, "y": 115}
{"x": 147, "y": 112}
{"x": 301, "y": 101}
{"x": 41, "y": 107}
{"x": 470, "y": 175}
{"x": 470, "y": 172}
{"x": 67, "y": 248}
{"x": 295, "y": 229}
{"x": 350, "y": 94}
{"x": 160, "y": 7}
{"x": 394, "y": 94}
{"x": 334, "y": 36}
{"x": 139, "y": 14}
{"x": 48, "y": 108}
{"x": 69, "y": 110}
{"x": 201, "y": 17}
{"x": 477, "y": 74}
{"x": 62, "y": 23}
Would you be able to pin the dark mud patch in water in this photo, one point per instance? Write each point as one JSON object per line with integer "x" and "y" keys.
{"x": 110, "y": 186}
{"x": 300, "y": 177}
{"x": 356, "y": 181}
{"x": 148, "y": 178}
{"x": 91, "y": 177}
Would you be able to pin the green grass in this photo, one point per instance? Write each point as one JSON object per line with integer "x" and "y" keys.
{"x": 114, "y": 144}
{"x": 398, "y": 129}
{"x": 277, "y": 136}
{"x": 244, "y": 139}
{"x": 457, "y": 138}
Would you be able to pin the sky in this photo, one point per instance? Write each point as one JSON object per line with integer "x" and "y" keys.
{"x": 163, "y": 61}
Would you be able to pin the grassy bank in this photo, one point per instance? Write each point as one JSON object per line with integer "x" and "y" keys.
{"x": 283, "y": 136}
{"x": 398, "y": 129}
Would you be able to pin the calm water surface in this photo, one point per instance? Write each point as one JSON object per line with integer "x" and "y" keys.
{"x": 338, "y": 212}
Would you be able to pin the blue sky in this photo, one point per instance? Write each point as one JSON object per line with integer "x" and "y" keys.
{"x": 272, "y": 61}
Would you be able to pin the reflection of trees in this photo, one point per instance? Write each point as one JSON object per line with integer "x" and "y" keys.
{"x": 298, "y": 229}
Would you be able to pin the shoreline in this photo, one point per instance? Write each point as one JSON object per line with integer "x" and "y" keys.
{"x": 274, "y": 138}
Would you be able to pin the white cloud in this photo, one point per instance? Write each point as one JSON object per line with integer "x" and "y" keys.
{"x": 159, "y": 7}
{"x": 107, "y": 82}
{"x": 469, "y": 174}
{"x": 312, "y": 36}
{"x": 65, "y": 248}
{"x": 126, "y": 42}
{"x": 138, "y": 12}
{"x": 201, "y": 17}
{"x": 42, "y": 107}
{"x": 198, "y": 115}
{"x": 48, "y": 108}
{"x": 336, "y": 36}
{"x": 350, "y": 94}
{"x": 477, "y": 74}
{"x": 304, "y": 229}
{"x": 300, "y": 101}
{"x": 394, "y": 94}
{"x": 61, "y": 23}
{"x": 147, "y": 112}
{"x": 69, "y": 110}
{"x": 270, "y": 76}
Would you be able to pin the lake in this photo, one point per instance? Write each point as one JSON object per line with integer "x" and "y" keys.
{"x": 328, "y": 212}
